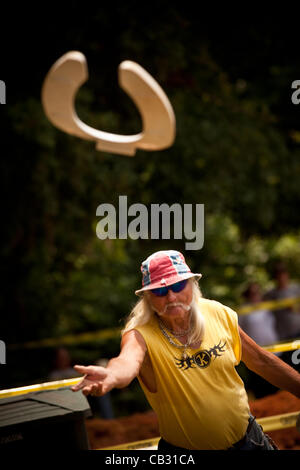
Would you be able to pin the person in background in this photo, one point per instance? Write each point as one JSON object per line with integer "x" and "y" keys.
{"x": 260, "y": 325}
{"x": 62, "y": 365}
{"x": 102, "y": 408}
{"x": 287, "y": 318}
{"x": 63, "y": 369}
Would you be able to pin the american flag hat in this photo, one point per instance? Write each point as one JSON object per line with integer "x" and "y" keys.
{"x": 164, "y": 268}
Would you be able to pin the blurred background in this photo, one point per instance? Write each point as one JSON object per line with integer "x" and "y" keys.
{"x": 237, "y": 151}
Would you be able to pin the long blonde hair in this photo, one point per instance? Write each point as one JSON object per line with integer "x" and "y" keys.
{"x": 142, "y": 312}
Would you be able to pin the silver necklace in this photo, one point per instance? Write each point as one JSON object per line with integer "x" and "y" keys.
{"x": 182, "y": 333}
{"x": 180, "y": 346}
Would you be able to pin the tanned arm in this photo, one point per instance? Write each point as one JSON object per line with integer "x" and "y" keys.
{"x": 269, "y": 366}
{"x": 120, "y": 371}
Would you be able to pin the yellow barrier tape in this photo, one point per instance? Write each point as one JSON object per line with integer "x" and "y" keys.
{"x": 283, "y": 421}
{"x": 269, "y": 305}
{"x": 283, "y": 347}
{"x": 136, "y": 445}
{"x": 69, "y": 339}
{"x": 280, "y": 347}
{"x": 12, "y": 392}
{"x": 114, "y": 332}
{"x": 268, "y": 423}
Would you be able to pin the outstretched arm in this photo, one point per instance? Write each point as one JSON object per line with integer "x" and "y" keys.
{"x": 269, "y": 366}
{"x": 120, "y": 371}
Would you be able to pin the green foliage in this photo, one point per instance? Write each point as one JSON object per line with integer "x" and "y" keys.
{"x": 236, "y": 151}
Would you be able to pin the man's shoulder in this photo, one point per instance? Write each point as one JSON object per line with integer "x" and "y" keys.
{"x": 149, "y": 325}
{"x": 211, "y": 302}
{"x": 214, "y": 304}
{"x": 219, "y": 311}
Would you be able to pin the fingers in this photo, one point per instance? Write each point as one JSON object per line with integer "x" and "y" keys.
{"x": 92, "y": 372}
{"x": 87, "y": 387}
{"x": 91, "y": 383}
{"x": 79, "y": 385}
{"x": 82, "y": 382}
{"x": 84, "y": 369}
{"x": 94, "y": 389}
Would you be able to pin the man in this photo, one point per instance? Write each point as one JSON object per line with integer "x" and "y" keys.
{"x": 183, "y": 349}
{"x": 260, "y": 325}
{"x": 287, "y": 319}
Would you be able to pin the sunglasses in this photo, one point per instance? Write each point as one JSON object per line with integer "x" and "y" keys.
{"x": 177, "y": 287}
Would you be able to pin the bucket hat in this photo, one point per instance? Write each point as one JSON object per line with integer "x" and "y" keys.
{"x": 164, "y": 268}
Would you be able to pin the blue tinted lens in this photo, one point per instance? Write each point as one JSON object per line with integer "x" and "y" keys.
{"x": 160, "y": 291}
{"x": 177, "y": 287}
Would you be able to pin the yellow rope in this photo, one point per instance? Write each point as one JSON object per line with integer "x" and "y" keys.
{"x": 12, "y": 392}
{"x": 115, "y": 332}
{"x": 283, "y": 421}
{"x": 269, "y": 305}
{"x": 283, "y": 347}
{"x": 268, "y": 423}
{"x": 136, "y": 445}
{"x": 280, "y": 347}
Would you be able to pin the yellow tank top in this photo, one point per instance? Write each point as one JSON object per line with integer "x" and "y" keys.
{"x": 201, "y": 402}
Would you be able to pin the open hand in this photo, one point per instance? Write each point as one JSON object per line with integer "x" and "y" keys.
{"x": 97, "y": 381}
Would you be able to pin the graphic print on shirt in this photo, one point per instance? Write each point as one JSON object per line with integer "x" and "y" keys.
{"x": 201, "y": 358}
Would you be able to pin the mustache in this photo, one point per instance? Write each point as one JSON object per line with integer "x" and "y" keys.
{"x": 176, "y": 304}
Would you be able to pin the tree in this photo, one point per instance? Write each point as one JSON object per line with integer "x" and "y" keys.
{"x": 235, "y": 152}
